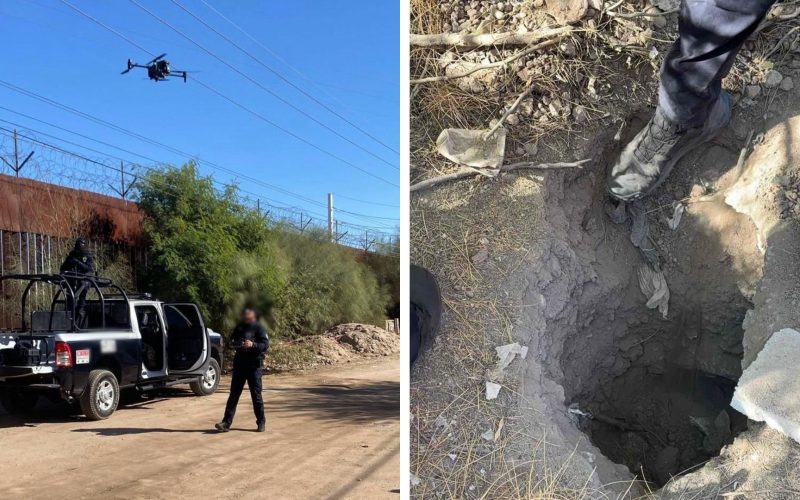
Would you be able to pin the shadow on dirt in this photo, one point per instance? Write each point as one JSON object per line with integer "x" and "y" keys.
{"x": 126, "y": 431}
{"x": 47, "y": 411}
{"x": 359, "y": 404}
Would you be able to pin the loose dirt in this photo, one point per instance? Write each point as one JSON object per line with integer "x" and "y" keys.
{"x": 331, "y": 433}
{"x": 344, "y": 343}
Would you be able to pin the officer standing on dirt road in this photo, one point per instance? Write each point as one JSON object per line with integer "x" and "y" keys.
{"x": 251, "y": 342}
{"x": 692, "y": 108}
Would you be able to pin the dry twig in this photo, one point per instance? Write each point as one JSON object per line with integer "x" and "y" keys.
{"x": 493, "y": 172}
{"x": 482, "y": 67}
{"x": 468, "y": 41}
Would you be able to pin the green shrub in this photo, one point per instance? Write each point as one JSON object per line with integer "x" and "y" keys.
{"x": 209, "y": 248}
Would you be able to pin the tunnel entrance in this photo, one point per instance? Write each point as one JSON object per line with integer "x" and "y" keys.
{"x": 662, "y": 424}
{"x": 652, "y": 393}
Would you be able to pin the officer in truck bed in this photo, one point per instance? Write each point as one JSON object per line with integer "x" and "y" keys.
{"x": 251, "y": 342}
{"x": 79, "y": 261}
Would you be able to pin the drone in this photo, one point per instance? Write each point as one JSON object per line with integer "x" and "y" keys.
{"x": 157, "y": 70}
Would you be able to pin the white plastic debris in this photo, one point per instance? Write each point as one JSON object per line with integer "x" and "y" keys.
{"x": 575, "y": 410}
{"x": 507, "y": 353}
{"x": 472, "y": 147}
{"x": 488, "y": 435}
{"x": 654, "y": 286}
{"x": 452, "y": 456}
{"x": 677, "y": 212}
{"x": 769, "y": 389}
{"x": 492, "y": 390}
{"x": 415, "y": 480}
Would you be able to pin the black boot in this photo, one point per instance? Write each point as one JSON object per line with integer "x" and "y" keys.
{"x": 223, "y": 426}
{"x": 648, "y": 159}
{"x": 262, "y": 427}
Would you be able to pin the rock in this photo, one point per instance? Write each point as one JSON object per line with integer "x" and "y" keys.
{"x": 567, "y": 11}
{"x": 568, "y": 48}
{"x": 772, "y": 79}
{"x": 752, "y": 91}
{"x": 787, "y": 84}
{"x": 512, "y": 119}
{"x": 555, "y": 107}
{"x": 660, "y": 22}
{"x": 579, "y": 114}
{"x": 531, "y": 148}
{"x": 538, "y": 3}
{"x": 481, "y": 256}
{"x": 499, "y": 14}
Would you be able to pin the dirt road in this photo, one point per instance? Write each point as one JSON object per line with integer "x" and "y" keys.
{"x": 332, "y": 433}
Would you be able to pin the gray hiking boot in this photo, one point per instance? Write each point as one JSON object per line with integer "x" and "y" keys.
{"x": 648, "y": 159}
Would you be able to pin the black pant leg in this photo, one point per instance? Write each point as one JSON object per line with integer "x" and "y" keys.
{"x": 238, "y": 379}
{"x": 710, "y": 34}
{"x": 254, "y": 383}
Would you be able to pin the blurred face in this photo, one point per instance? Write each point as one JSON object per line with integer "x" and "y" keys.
{"x": 249, "y": 316}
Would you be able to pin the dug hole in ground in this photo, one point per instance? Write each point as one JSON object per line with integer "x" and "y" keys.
{"x": 612, "y": 399}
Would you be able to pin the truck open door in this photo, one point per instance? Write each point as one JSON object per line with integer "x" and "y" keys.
{"x": 188, "y": 345}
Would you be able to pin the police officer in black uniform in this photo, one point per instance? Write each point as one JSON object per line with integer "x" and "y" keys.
{"x": 79, "y": 261}
{"x": 251, "y": 342}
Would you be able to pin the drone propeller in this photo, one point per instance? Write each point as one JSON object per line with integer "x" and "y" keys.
{"x": 157, "y": 58}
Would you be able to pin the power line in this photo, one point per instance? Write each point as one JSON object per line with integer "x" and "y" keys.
{"x": 275, "y": 72}
{"x": 163, "y": 187}
{"x": 148, "y": 140}
{"x": 367, "y": 202}
{"x": 31, "y": 139}
{"x": 258, "y": 84}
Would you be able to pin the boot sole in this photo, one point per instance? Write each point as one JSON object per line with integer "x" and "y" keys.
{"x": 700, "y": 140}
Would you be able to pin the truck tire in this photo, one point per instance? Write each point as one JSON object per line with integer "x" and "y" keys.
{"x": 207, "y": 384}
{"x": 101, "y": 396}
{"x": 19, "y": 402}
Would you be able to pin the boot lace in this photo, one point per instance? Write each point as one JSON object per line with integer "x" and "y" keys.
{"x": 661, "y": 136}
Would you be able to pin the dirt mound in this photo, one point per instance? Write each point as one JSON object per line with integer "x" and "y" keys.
{"x": 365, "y": 339}
{"x": 340, "y": 344}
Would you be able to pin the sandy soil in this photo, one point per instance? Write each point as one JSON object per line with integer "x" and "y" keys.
{"x": 331, "y": 433}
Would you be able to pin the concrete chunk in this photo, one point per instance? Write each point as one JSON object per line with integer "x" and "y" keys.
{"x": 769, "y": 389}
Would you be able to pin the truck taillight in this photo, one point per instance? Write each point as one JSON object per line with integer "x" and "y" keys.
{"x": 63, "y": 355}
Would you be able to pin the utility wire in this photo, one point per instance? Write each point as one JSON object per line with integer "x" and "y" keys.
{"x": 258, "y": 84}
{"x": 71, "y": 153}
{"x": 275, "y": 72}
{"x": 229, "y": 99}
{"x": 148, "y": 140}
{"x": 366, "y": 201}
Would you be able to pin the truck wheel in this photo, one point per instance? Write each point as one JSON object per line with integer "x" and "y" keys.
{"x": 207, "y": 385}
{"x": 19, "y": 402}
{"x": 101, "y": 396}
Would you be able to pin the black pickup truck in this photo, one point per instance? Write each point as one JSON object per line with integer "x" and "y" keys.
{"x": 86, "y": 347}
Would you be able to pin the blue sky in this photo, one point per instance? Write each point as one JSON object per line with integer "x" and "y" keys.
{"x": 345, "y": 53}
